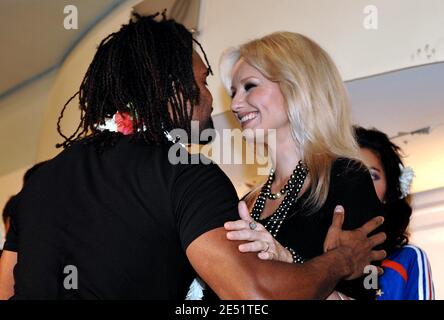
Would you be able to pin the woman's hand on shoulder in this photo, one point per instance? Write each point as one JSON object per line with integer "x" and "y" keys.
{"x": 259, "y": 239}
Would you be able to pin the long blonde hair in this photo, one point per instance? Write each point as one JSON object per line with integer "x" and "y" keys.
{"x": 317, "y": 103}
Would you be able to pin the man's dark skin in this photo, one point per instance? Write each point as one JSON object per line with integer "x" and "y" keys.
{"x": 235, "y": 275}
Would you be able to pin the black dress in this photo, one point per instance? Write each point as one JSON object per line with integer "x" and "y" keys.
{"x": 350, "y": 186}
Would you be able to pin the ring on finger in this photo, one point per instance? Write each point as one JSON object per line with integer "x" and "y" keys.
{"x": 252, "y": 225}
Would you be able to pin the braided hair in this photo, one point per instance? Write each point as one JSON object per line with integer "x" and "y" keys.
{"x": 144, "y": 69}
{"x": 398, "y": 210}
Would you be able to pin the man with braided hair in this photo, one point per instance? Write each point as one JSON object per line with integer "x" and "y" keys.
{"x": 114, "y": 211}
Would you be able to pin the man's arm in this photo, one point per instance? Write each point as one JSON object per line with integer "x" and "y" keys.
{"x": 7, "y": 262}
{"x": 235, "y": 275}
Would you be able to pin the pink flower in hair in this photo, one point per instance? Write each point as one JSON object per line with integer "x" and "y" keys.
{"x": 124, "y": 123}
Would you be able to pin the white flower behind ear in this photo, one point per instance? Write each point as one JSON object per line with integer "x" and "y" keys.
{"x": 405, "y": 180}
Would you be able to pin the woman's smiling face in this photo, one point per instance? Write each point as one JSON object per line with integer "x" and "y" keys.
{"x": 257, "y": 102}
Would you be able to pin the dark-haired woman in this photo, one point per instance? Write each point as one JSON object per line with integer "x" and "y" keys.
{"x": 407, "y": 274}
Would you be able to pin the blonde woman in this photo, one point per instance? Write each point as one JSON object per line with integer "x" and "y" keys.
{"x": 286, "y": 82}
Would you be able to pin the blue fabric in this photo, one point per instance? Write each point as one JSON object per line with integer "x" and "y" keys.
{"x": 417, "y": 286}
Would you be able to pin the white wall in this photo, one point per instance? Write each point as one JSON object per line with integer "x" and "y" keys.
{"x": 404, "y": 27}
{"x": 427, "y": 231}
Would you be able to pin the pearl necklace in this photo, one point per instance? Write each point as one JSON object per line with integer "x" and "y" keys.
{"x": 291, "y": 191}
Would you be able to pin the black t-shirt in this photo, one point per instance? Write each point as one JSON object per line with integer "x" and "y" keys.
{"x": 350, "y": 186}
{"x": 123, "y": 218}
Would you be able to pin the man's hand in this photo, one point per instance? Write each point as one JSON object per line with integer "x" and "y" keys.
{"x": 355, "y": 245}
